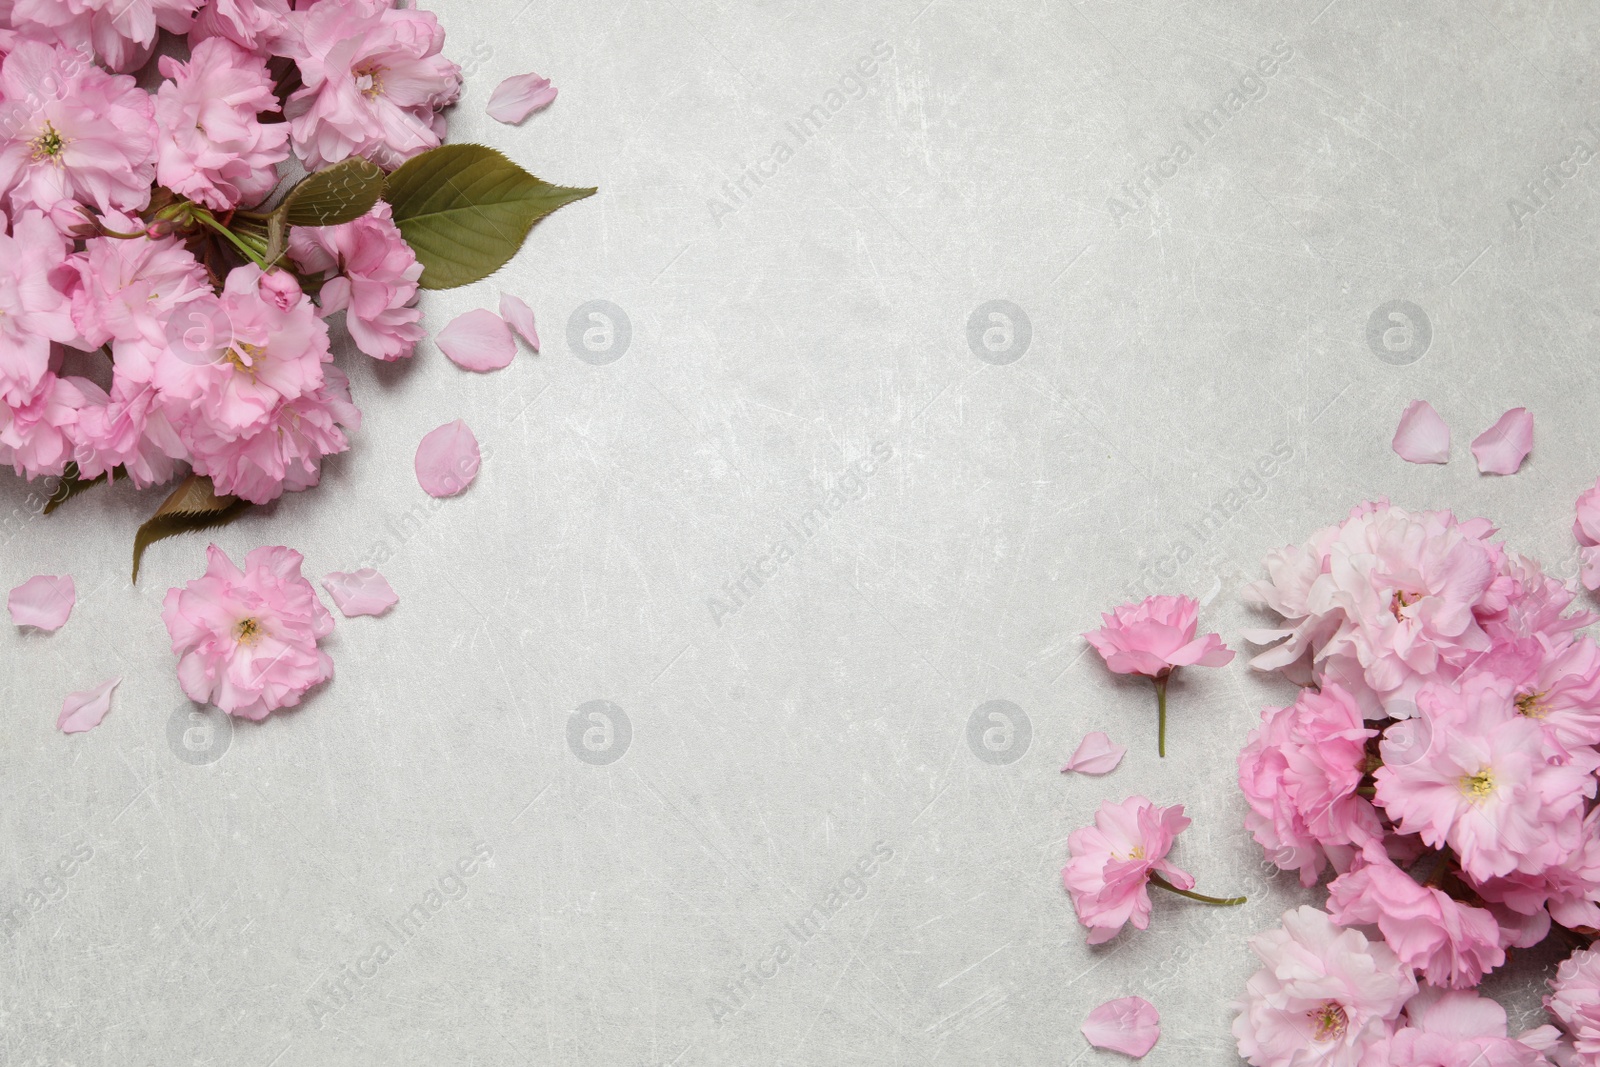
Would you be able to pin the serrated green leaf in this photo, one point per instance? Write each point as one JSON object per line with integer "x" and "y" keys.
{"x": 194, "y": 505}
{"x": 340, "y": 193}
{"x": 70, "y": 485}
{"x": 465, "y": 210}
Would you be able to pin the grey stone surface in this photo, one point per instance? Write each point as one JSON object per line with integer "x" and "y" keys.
{"x": 667, "y": 777}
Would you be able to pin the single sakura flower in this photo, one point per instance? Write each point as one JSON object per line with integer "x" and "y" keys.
{"x": 478, "y": 340}
{"x": 86, "y": 710}
{"x": 1502, "y": 447}
{"x": 37, "y": 437}
{"x": 246, "y": 640}
{"x": 370, "y": 274}
{"x": 34, "y": 308}
{"x": 447, "y": 460}
{"x": 1116, "y": 860}
{"x": 520, "y": 318}
{"x": 1324, "y": 997}
{"x": 1130, "y": 1025}
{"x": 1153, "y": 638}
{"x": 1459, "y": 1029}
{"x": 121, "y": 32}
{"x": 520, "y": 96}
{"x": 363, "y": 592}
{"x": 1096, "y": 754}
{"x": 44, "y": 601}
{"x": 1586, "y": 528}
{"x": 1422, "y": 436}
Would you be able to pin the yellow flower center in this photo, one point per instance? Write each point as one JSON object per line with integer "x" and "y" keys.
{"x": 245, "y": 356}
{"x": 1330, "y": 1021}
{"x": 1402, "y": 600}
{"x": 369, "y": 80}
{"x": 1532, "y": 705}
{"x": 1478, "y": 786}
{"x": 248, "y": 632}
{"x": 48, "y": 144}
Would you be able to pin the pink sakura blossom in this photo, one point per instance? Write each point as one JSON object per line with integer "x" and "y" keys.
{"x": 1451, "y": 944}
{"x": 1299, "y": 772}
{"x": 247, "y": 639}
{"x": 1130, "y": 1025}
{"x": 370, "y": 274}
{"x": 70, "y": 131}
{"x": 121, "y": 32}
{"x": 520, "y": 96}
{"x": 1153, "y": 638}
{"x": 1502, "y": 447}
{"x": 1485, "y": 784}
{"x": 1586, "y": 528}
{"x": 1458, "y": 1029}
{"x": 34, "y": 309}
{"x": 1422, "y": 436}
{"x": 375, "y": 82}
{"x": 129, "y": 432}
{"x": 254, "y": 25}
{"x": 37, "y": 438}
{"x": 1326, "y": 995}
{"x": 128, "y": 293}
{"x": 1575, "y": 1002}
{"x": 86, "y": 710}
{"x": 212, "y": 148}
{"x": 43, "y": 602}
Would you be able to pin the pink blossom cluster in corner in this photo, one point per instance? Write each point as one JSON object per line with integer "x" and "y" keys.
{"x": 1440, "y": 767}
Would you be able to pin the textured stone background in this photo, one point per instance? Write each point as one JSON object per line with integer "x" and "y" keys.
{"x": 1107, "y": 432}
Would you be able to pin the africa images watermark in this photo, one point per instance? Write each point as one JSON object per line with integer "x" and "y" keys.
{"x": 1202, "y": 126}
{"x": 847, "y": 487}
{"x": 853, "y": 85}
{"x": 1541, "y": 191}
{"x": 846, "y": 889}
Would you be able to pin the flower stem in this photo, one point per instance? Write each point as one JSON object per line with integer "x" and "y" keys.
{"x": 250, "y": 253}
{"x": 1221, "y": 902}
{"x": 1161, "y": 716}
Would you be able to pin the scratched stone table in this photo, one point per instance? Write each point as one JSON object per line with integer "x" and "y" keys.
{"x": 720, "y": 722}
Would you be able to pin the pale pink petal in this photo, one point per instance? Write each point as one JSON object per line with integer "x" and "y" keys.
{"x": 44, "y": 601}
{"x": 1096, "y": 755}
{"x": 84, "y": 711}
{"x": 1130, "y": 1025}
{"x": 478, "y": 340}
{"x": 364, "y": 592}
{"x": 520, "y": 316}
{"x": 1502, "y": 447}
{"x": 447, "y": 460}
{"x": 1422, "y": 436}
{"x": 520, "y": 96}
{"x": 1590, "y": 572}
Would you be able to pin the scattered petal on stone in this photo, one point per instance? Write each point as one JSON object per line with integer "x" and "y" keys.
{"x": 364, "y": 592}
{"x": 447, "y": 460}
{"x": 84, "y": 711}
{"x": 1130, "y": 1025}
{"x": 44, "y": 601}
{"x": 478, "y": 340}
{"x": 1590, "y": 567}
{"x": 1096, "y": 755}
{"x": 520, "y": 316}
{"x": 1422, "y": 436}
{"x": 1502, "y": 447}
{"x": 520, "y": 96}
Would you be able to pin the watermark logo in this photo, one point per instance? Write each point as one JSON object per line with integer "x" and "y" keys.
{"x": 999, "y": 732}
{"x": 199, "y": 736}
{"x": 999, "y": 332}
{"x": 1399, "y": 332}
{"x": 599, "y": 732}
{"x": 599, "y": 333}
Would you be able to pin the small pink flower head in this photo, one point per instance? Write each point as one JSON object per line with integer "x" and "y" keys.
{"x": 34, "y": 307}
{"x": 1568, "y": 891}
{"x": 1484, "y": 783}
{"x": 70, "y": 131}
{"x": 247, "y": 639}
{"x": 1299, "y": 771}
{"x": 121, "y": 32}
{"x": 38, "y": 438}
{"x": 254, "y": 25}
{"x": 128, "y": 291}
{"x": 375, "y": 82}
{"x": 371, "y": 275}
{"x": 212, "y": 147}
{"x": 1324, "y": 997}
{"x": 127, "y": 431}
{"x": 1458, "y": 1029}
{"x": 1453, "y": 945}
{"x": 1156, "y": 635}
{"x": 1586, "y": 528}
{"x": 1112, "y": 862}
{"x": 1575, "y": 1002}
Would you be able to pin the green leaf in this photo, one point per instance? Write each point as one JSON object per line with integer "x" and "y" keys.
{"x": 69, "y": 486}
{"x": 194, "y": 505}
{"x": 340, "y": 193}
{"x": 465, "y": 210}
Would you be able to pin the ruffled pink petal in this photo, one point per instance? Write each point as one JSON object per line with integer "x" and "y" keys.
{"x": 84, "y": 711}
{"x": 447, "y": 460}
{"x": 1422, "y": 436}
{"x": 1130, "y": 1025}
{"x": 520, "y": 96}
{"x": 478, "y": 340}
{"x": 365, "y": 592}
{"x": 1502, "y": 447}
{"x": 520, "y": 316}
{"x": 44, "y": 601}
{"x": 1590, "y": 571}
{"x": 1097, "y": 754}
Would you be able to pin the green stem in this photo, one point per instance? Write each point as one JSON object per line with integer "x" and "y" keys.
{"x": 1161, "y": 716}
{"x": 1221, "y": 902}
{"x": 250, "y": 253}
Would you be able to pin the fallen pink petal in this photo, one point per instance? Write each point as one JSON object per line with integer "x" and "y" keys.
{"x": 447, "y": 460}
{"x": 1502, "y": 447}
{"x": 520, "y": 96}
{"x": 1422, "y": 436}
{"x": 1130, "y": 1025}
{"x": 1096, "y": 754}
{"x": 86, "y": 710}
{"x": 364, "y": 592}
{"x": 478, "y": 340}
{"x": 43, "y": 602}
{"x": 520, "y": 316}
